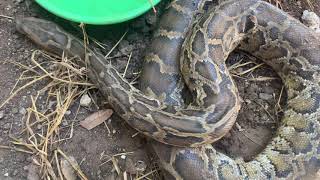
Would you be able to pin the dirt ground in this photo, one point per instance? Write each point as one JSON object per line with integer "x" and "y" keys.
{"x": 256, "y": 123}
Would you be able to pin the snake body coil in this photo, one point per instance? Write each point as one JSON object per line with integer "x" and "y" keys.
{"x": 254, "y": 26}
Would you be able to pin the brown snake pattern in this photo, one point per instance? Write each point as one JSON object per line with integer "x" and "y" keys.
{"x": 254, "y": 26}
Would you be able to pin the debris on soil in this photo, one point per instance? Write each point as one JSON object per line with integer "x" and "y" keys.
{"x": 49, "y": 110}
{"x": 67, "y": 169}
{"x": 96, "y": 119}
{"x": 311, "y": 20}
{"x": 85, "y": 100}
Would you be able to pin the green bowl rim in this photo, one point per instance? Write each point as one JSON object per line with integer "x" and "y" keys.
{"x": 96, "y": 20}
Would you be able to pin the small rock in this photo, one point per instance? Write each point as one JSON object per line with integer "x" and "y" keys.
{"x": 15, "y": 172}
{"x": 1, "y": 114}
{"x": 22, "y": 111}
{"x": 6, "y": 174}
{"x": 15, "y": 110}
{"x": 123, "y": 156}
{"x": 311, "y": 20}
{"x": 39, "y": 126}
{"x": 6, "y": 126}
{"x": 248, "y": 101}
{"x": 51, "y": 104}
{"x": 64, "y": 123}
{"x": 265, "y": 96}
{"x": 85, "y": 100}
{"x": 68, "y": 113}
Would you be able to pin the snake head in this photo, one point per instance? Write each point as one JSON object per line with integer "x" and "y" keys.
{"x": 42, "y": 32}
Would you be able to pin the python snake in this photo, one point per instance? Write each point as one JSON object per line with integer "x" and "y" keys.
{"x": 253, "y": 26}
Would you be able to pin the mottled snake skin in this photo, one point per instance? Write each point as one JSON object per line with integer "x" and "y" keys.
{"x": 253, "y": 26}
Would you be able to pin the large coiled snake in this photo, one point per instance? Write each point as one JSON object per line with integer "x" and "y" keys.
{"x": 254, "y": 26}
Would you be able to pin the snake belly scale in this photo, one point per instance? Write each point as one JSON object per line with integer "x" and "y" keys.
{"x": 253, "y": 26}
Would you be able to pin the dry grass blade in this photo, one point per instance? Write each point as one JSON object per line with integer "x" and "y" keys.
{"x": 147, "y": 174}
{"x": 153, "y": 8}
{"x": 263, "y": 79}
{"x": 127, "y": 65}
{"x": 65, "y": 82}
{"x": 249, "y": 70}
{"x": 116, "y": 155}
{"x": 7, "y": 17}
{"x": 116, "y": 44}
{"x": 310, "y": 5}
{"x": 16, "y": 149}
{"x": 74, "y": 165}
{"x": 22, "y": 88}
{"x": 277, "y": 3}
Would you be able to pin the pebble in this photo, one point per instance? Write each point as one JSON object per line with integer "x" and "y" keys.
{"x": 15, "y": 172}
{"x": 22, "y": 111}
{"x": 25, "y": 168}
{"x": 123, "y": 156}
{"x": 67, "y": 113}
{"x": 51, "y": 104}
{"x": 6, "y": 126}
{"x": 311, "y": 20}
{"x": 39, "y": 126}
{"x": 85, "y": 100}
{"x": 265, "y": 96}
{"x": 6, "y": 175}
{"x": 64, "y": 122}
{"x": 248, "y": 101}
{"x": 1, "y": 114}
{"x": 15, "y": 110}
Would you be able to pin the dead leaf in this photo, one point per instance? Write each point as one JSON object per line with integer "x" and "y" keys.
{"x": 96, "y": 119}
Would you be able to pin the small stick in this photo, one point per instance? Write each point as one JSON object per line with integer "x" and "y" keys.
{"x": 8, "y": 17}
{"x": 145, "y": 175}
{"x": 16, "y": 149}
{"x": 154, "y": 9}
{"x": 125, "y": 70}
{"x": 116, "y": 44}
{"x": 75, "y": 167}
{"x": 58, "y": 165}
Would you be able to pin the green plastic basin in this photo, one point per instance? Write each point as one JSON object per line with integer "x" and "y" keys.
{"x": 98, "y": 11}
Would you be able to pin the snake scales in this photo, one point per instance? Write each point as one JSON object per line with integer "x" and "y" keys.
{"x": 158, "y": 112}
